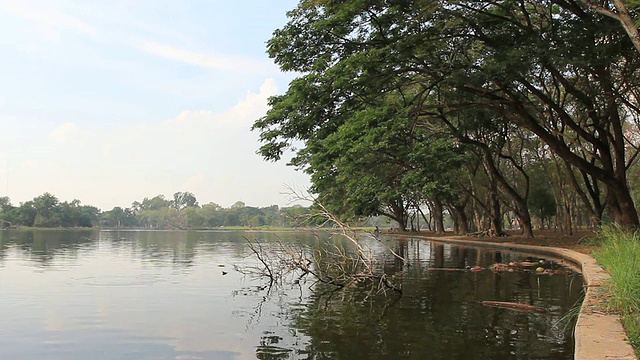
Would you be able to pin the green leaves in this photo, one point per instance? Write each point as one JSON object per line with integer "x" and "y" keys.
{"x": 386, "y": 87}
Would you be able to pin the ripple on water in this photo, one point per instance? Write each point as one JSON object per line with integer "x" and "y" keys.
{"x": 116, "y": 280}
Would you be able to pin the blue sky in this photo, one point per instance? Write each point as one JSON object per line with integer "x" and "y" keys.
{"x": 112, "y": 101}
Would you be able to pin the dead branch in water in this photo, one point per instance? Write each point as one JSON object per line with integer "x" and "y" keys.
{"x": 328, "y": 263}
{"x": 513, "y": 306}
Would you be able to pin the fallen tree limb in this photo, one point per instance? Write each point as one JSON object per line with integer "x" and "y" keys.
{"x": 513, "y": 306}
{"x": 473, "y": 269}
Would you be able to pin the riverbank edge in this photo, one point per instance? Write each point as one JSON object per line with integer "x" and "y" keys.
{"x": 597, "y": 335}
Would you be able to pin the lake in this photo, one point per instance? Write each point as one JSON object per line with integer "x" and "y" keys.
{"x": 177, "y": 295}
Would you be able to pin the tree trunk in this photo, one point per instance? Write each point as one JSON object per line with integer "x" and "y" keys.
{"x": 427, "y": 222}
{"x": 454, "y": 216}
{"x": 566, "y": 214}
{"x": 494, "y": 205}
{"x": 609, "y": 145}
{"x": 438, "y": 215}
{"x": 520, "y": 202}
{"x": 525, "y": 221}
{"x": 399, "y": 214}
{"x": 622, "y": 206}
{"x": 595, "y": 213}
{"x": 462, "y": 222}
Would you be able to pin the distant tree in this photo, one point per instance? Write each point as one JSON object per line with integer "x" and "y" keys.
{"x": 47, "y": 210}
{"x": 5, "y": 204}
{"x": 251, "y": 216}
{"x": 173, "y": 219}
{"x": 298, "y": 215}
{"x": 5, "y": 212}
{"x": 194, "y": 217}
{"x": 156, "y": 203}
{"x": 136, "y": 207}
{"x": 213, "y": 206}
{"x": 238, "y": 205}
{"x": 211, "y": 214}
{"x": 118, "y": 217}
{"x": 25, "y": 214}
{"x": 88, "y": 216}
{"x": 231, "y": 218}
{"x": 541, "y": 200}
{"x": 271, "y": 215}
{"x": 183, "y": 200}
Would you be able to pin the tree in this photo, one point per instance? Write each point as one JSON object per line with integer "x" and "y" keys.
{"x": 541, "y": 199}
{"x": 183, "y": 200}
{"x": 560, "y": 71}
{"x": 5, "y": 212}
{"x": 118, "y": 217}
{"x": 194, "y": 218}
{"x": 74, "y": 214}
{"x": 5, "y": 204}
{"x": 238, "y": 205}
{"x": 358, "y": 170}
{"x": 155, "y": 203}
{"x": 574, "y": 111}
{"x": 46, "y": 207}
{"x": 618, "y": 10}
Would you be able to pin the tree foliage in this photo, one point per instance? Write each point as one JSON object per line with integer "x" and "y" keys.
{"x": 47, "y": 211}
{"x": 183, "y": 212}
{"x": 380, "y": 80}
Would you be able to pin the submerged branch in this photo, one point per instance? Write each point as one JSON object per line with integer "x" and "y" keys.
{"x": 513, "y": 306}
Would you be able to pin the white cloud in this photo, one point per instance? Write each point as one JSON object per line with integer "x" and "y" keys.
{"x": 211, "y": 154}
{"x": 69, "y": 132}
{"x": 63, "y": 132}
{"x": 254, "y": 105}
{"x": 52, "y": 20}
{"x": 214, "y": 61}
{"x": 244, "y": 113}
{"x": 127, "y": 126}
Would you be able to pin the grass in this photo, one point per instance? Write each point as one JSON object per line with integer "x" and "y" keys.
{"x": 619, "y": 254}
{"x": 571, "y": 316}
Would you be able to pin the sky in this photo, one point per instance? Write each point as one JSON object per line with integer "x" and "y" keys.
{"x": 110, "y": 102}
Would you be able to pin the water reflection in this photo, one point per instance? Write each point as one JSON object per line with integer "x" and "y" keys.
{"x": 162, "y": 295}
{"x": 439, "y": 316}
{"x": 43, "y": 246}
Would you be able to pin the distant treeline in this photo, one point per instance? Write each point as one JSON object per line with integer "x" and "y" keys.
{"x": 181, "y": 212}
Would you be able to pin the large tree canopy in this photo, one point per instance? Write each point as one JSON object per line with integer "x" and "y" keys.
{"x": 559, "y": 69}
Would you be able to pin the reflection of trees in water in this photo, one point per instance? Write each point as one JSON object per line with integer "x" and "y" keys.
{"x": 269, "y": 348}
{"x": 439, "y": 315}
{"x": 3, "y": 245}
{"x": 179, "y": 248}
{"x": 43, "y": 246}
{"x": 160, "y": 247}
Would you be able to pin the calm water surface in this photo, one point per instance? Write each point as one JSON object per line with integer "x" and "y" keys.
{"x": 162, "y": 295}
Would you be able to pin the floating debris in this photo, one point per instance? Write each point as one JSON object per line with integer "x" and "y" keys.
{"x": 513, "y": 306}
{"x": 499, "y": 267}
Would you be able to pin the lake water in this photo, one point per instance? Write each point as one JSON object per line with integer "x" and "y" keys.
{"x": 163, "y": 295}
